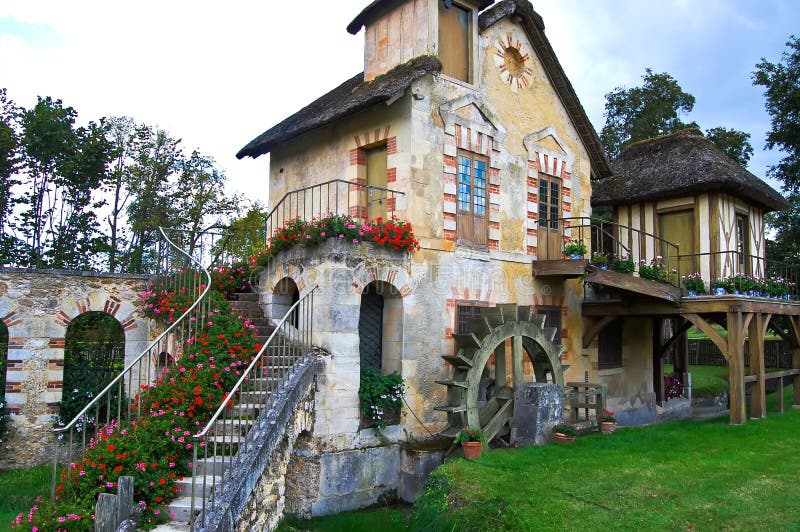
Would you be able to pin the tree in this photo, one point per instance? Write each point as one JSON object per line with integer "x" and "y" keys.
{"x": 10, "y": 161}
{"x": 244, "y": 236}
{"x": 122, "y": 135}
{"x": 735, "y": 144}
{"x": 782, "y": 92}
{"x": 655, "y": 109}
{"x": 644, "y": 112}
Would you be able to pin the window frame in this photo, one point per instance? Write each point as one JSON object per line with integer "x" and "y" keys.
{"x": 610, "y": 338}
{"x": 470, "y": 44}
{"x": 549, "y": 311}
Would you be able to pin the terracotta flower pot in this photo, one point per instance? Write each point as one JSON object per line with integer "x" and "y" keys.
{"x": 472, "y": 449}
{"x": 563, "y": 439}
{"x": 608, "y": 427}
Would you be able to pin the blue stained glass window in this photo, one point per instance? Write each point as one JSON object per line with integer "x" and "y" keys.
{"x": 479, "y": 182}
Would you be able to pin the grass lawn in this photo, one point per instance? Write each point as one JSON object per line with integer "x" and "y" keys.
{"x": 18, "y": 489}
{"x": 710, "y": 380}
{"x": 683, "y": 475}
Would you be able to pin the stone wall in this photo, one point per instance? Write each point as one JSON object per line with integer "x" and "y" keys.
{"x": 37, "y": 306}
{"x": 255, "y": 496}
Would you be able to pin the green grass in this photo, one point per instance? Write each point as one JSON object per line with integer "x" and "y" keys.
{"x": 18, "y": 489}
{"x": 377, "y": 519}
{"x": 678, "y": 475}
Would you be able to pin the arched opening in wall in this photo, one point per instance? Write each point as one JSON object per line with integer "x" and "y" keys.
{"x": 284, "y": 296}
{"x": 380, "y": 341}
{"x": 94, "y": 353}
{"x": 4, "y": 419}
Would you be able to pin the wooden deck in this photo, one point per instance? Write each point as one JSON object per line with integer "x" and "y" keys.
{"x": 565, "y": 268}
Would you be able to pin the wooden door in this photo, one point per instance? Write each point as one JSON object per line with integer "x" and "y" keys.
{"x": 471, "y": 218}
{"x": 678, "y": 228}
{"x": 550, "y": 241}
{"x": 743, "y": 244}
{"x": 376, "y": 177}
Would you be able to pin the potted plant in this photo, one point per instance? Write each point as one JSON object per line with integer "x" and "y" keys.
{"x": 563, "y": 433}
{"x": 720, "y": 287}
{"x": 575, "y": 249}
{"x": 601, "y": 259}
{"x": 624, "y": 264}
{"x": 694, "y": 284}
{"x": 608, "y": 423}
{"x": 471, "y": 441}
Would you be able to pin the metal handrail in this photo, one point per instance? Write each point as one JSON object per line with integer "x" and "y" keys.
{"x": 290, "y": 338}
{"x": 731, "y": 263}
{"x": 143, "y": 363}
{"x": 602, "y": 236}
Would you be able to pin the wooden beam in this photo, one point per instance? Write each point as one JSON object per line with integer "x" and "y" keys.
{"x": 780, "y": 332}
{"x": 794, "y": 330}
{"x": 658, "y": 362}
{"x": 736, "y": 368}
{"x": 796, "y": 380}
{"x": 675, "y": 336}
{"x": 594, "y": 328}
{"x": 765, "y": 324}
{"x": 755, "y": 348}
{"x": 633, "y": 284}
{"x": 715, "y": 337}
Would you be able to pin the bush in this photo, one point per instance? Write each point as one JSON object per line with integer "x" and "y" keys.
{"x": 379, "y": 395}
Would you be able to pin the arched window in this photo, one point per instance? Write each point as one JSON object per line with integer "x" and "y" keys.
{"x": 94, "y": 353}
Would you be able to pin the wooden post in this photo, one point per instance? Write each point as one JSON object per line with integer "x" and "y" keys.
{"x": 758, "y": 398}
{"x": 736, "y": 368}
{"x": 681, "y": 347}
{"x": 125, "y": 497}
{"x": 500, "y": 377}
{"x": 780, "y": 394}
{"x": 796, "y": 378}
{"x": 106, "y": 517}
{"x": 517, "y": 367}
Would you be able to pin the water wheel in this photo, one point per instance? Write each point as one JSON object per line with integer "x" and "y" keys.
{"x": 481, "y": 396}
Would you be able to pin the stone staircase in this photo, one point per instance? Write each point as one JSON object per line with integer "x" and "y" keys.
{"x": 234, "y": 428}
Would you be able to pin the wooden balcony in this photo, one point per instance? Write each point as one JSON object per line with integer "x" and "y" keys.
{"x": 564, "y": 268}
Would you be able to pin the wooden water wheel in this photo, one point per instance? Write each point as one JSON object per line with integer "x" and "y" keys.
{"x": 481, "y": 396}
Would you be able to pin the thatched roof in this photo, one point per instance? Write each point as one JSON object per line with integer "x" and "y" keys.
{"x": 534, "y": 27}
{"x": 680, "y": 164}
{"x": 350, "y": 97}
{"x": 379, "y": 7}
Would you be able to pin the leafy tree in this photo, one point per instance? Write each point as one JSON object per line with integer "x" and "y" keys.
{"x": 244, "y": 237}
{"x": 64, "y": 167}
{"x": 781, "y": 81}
{"x": 156, "y": 161}
{"x": 122, "y": 135}
{"x": 655, "y": 108}
{"x": 201, "y": 204}
{"x": 10, "y": 161}
{"x": 734, "y": 143}
{"x": 644, "y": 112}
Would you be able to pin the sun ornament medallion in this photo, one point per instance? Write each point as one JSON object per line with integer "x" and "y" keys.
{"x": 512, "y": 62}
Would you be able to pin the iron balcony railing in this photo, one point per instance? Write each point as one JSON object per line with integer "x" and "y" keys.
{"x": 332, "y": 197}
{"x": 121, "y": 399}
{"x": 230, "y": 430}
{"x": 609, "y": 240}
{"x": 739, "y": 268}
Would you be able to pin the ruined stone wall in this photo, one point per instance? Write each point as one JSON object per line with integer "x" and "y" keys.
{"x": 37, "y": 307}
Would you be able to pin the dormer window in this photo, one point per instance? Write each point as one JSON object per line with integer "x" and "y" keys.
{"x": 455, "y": 40}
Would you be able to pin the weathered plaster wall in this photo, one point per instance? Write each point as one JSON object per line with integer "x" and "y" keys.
{"x": 37, "y": 307}
{"x": 630, "y": 391}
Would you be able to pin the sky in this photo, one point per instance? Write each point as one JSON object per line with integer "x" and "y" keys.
{"x": 217, "y": 74}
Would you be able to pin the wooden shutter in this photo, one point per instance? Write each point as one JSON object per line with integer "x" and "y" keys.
{"x": 455, "y": 36}
{"x": 376, "y": 177}
{"x": 678, "y": 228}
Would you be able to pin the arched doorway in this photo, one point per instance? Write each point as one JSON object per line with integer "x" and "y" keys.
{"x": 94, "y": 353}
{"x": 285, "y": 295}
{"x": 4, "y": 419}
{"x": 380, "y": 337}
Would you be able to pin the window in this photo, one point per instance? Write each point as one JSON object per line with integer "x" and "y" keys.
{"x": 609, "y": 348}
{"x": 742, "y": 242}
{"x": 472, "y": 202}
{"x": 552, "y": 317}
{"x": 551, "y": 244}
{"x": 455, "y": 41}
{"x": 376, "y": 177}
{"x": 464, "y": 313}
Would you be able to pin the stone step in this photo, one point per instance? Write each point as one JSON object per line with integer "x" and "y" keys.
{"x": 232, "y": 426}
{"x": 199, "y": 488}
{"x": 244, "y": 296}
{"x": 181, "y": 508}
{"x": 213, "y": 466}
{"x": 241, "y": 306}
